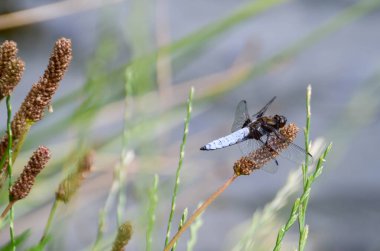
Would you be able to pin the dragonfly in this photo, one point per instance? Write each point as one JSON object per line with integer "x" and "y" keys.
{"x": 252, "y": 132}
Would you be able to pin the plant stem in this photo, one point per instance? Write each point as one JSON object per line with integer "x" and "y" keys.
{"x": 6, "y": 210}
{"x": 305, "y": 167}
{"x": 153, "y": 200}
{"x": 181, "y": 156}
{"x": 199, "y": 211}
{"x": 50, "y": 220}
{"x": 300, "y": 204}
{"x": 307, "y": 135}
{"x": 9, "y": 151}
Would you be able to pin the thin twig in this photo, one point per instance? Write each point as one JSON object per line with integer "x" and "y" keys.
{"x": 199, "y": 211}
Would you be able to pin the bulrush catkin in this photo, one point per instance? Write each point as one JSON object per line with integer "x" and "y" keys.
{"x": 25, "y": 182}
{"x": 258, "y": 158}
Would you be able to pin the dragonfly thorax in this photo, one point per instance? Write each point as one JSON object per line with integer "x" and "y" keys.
{"x": 265, "y": 125}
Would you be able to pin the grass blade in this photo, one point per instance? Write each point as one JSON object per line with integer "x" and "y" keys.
{"x": 153, "y": 200}
{"x": 181, "y": 156}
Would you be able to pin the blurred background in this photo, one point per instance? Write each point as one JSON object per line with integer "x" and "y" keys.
{"x": 125, "y": 94}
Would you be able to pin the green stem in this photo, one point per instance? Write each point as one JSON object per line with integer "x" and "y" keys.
{"x": 307, "y": 135}
{"x": 300, "y": 205}
{"x": 9, "y": 152}
{"x": 305, "y": 167}
{"x": 121, "y": 170}
{"x": 153, "y": 200}
{"x": 50, "y": 220}
{"x": 181, "y": 156}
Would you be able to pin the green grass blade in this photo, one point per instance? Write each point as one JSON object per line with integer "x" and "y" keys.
{"x": 181, "y": 156}
{"x": 153, "y": 200}
{"x": 181, "y": 222}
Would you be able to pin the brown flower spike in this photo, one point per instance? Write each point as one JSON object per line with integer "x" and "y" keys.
{"x": 39, "y": 97}
{"x": 11, "y": 76}
{"x": 8, "y": 51}
{"x": 68, "y": 187}
{"x": 25, "y": 182}
{"x": 124, "y": 234}
{"x": 11, "y": 68}
{"x": 257, "y": 159}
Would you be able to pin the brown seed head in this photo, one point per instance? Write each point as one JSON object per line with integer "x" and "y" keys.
{"x": 8, "y": 51}
{"x": 40, "y": 95}
{"x": 124, "y": 234}
{"x": 25, "y": 182}
{"x": 11, "y": 76}
{"x": 257, "y": 159}
{"x": 68, "y": 187}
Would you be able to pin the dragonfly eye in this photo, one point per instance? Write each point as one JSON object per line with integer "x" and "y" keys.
{"x": 281, "y": 120}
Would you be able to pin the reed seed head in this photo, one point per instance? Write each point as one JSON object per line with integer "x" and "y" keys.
{"x": 40, "y": 95}
{"x": 8, "y": 51}
{"x": 257, "y": 159}
{"x": 68, "y": 187}
{"x": 124, "y": 234}
{"x": 10, "y": 76}
{"x": 25, "y": 182}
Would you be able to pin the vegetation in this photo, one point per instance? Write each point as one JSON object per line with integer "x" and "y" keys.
{"x": 143, "y": 89}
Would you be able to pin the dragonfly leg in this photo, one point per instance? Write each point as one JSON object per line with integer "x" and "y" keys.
{"x": 266, "y": 144}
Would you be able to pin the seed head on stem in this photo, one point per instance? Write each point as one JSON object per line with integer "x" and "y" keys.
{"x": 257, "y": 159}
{"x": 25, "y": 182}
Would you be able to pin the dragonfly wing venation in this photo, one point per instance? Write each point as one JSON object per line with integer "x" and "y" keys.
{"x": 241, "y": 116}
{"x": 293, "y": 152}
{"x": 264, "y": 109}
{"x": 248, "y": 146}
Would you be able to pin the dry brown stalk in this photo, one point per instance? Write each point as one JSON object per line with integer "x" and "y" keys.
{"x": 124, "y": 234}
{"x": 73, "y": 181}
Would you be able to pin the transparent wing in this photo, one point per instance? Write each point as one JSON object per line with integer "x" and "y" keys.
{"x": 293, "y": 152}
{"x": 296, "y": 154}
{"x": 264, "y": 109}
{"x": 271, "y": 167}
{"x": 250, "y": 145}
{"x": 241, "y": 116}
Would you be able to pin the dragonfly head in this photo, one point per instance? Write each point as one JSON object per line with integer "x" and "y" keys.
{"x": 280, "y": 120}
